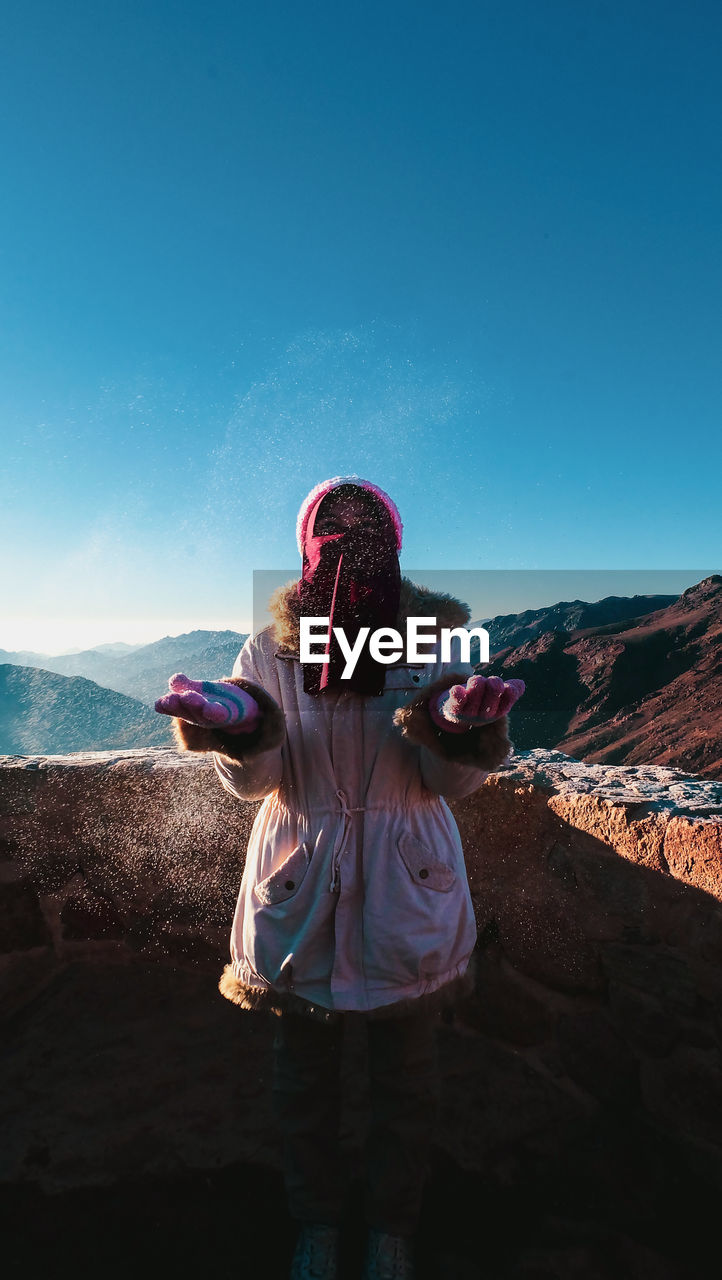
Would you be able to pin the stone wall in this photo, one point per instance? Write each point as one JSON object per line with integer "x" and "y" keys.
{"x": 598, "y": 892}
{"x": 116, "y": 855}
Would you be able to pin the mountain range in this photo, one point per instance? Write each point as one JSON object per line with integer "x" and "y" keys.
{"x": 515, "y": 629}
{"x": 102, "y": 699}
{"x": 42, "y": 713}
{"x": 622, "y": 680}
{"x": 640, "y": 690}
{"x": 142, "y": 671}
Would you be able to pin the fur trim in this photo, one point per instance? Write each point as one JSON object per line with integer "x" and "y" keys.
{"x": 485, "y": 746}
{"x": 256, "y": 999}
{"x": 270, "y": 732}
{"x": 268, "y": 1000}
{"x": 414, "y": 600}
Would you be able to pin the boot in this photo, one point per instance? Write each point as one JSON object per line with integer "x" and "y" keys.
{"x": 388, "y": 1257}
{"x": 316, "y": 1256}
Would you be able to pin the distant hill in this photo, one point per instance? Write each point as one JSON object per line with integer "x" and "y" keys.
{"x": 117, "y": 647}
{"x": 567, "y": 615}
{"x": 643, "y": 690}
{"x": 26, "y": 658}
{"x": 42, "y": 713}
{"x": 142, "y": 671}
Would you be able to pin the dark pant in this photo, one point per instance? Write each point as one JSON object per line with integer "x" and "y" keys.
{"x": 404, "y": 1096}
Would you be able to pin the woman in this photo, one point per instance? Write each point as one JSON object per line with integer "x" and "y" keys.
{"x": 354, "y": 897}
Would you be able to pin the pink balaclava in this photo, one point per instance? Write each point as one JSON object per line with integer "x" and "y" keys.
{"x": 353, "y": 578}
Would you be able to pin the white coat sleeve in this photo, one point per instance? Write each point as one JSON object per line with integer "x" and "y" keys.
{"x": 255, "y": 774}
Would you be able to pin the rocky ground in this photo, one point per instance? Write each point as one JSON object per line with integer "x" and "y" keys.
{"x": 581, "y": 1123}
{"x": 138, "y": 1137}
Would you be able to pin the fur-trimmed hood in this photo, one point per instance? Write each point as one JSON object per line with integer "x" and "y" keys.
{"x": 414, "y": 601}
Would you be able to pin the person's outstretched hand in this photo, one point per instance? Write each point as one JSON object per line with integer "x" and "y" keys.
{"x": 481, "y": 700}
{"x": 212, "y": 704}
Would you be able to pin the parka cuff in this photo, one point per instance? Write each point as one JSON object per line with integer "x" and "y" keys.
{"x": 484, "y": 746}
{"x": 268, "y": 734}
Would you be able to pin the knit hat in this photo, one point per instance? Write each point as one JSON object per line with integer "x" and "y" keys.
{"x": 325, "y": 487}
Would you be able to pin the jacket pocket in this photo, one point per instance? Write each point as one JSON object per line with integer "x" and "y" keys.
{"x": 423, "y": 868}
{"x": 286, "y": 880}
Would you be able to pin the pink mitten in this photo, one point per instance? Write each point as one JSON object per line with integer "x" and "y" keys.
{"x": 212, "y": 704}
{"x": 481, "y": 700}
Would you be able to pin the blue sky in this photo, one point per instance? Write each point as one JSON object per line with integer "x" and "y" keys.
{"x": 469, "y": 251}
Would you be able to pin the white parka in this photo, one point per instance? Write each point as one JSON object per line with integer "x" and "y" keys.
{"x": 354, "y": 894}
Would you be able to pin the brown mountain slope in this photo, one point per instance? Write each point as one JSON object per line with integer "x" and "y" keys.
{"x": 643, "y": 691}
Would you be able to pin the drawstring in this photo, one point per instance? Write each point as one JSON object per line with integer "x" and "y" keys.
{"x": 346, "y": 811}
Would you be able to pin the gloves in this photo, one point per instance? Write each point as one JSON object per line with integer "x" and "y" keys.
{"x": 211, "y": 704}
{"x": 482, "y": 700}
